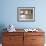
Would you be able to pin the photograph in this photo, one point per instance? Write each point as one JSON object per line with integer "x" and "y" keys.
{"x": 26, "y": 14}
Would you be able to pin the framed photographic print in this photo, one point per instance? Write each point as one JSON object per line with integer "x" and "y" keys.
{"x": 26, "y": 14}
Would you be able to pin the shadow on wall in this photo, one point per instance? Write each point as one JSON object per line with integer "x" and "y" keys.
{"x": 2, "y": 26}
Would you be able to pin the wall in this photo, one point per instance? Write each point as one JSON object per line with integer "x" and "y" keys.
{"x": 9, "y": 13}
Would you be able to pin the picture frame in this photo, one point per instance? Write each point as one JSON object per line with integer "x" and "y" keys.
{"x": 26, "y": 14}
